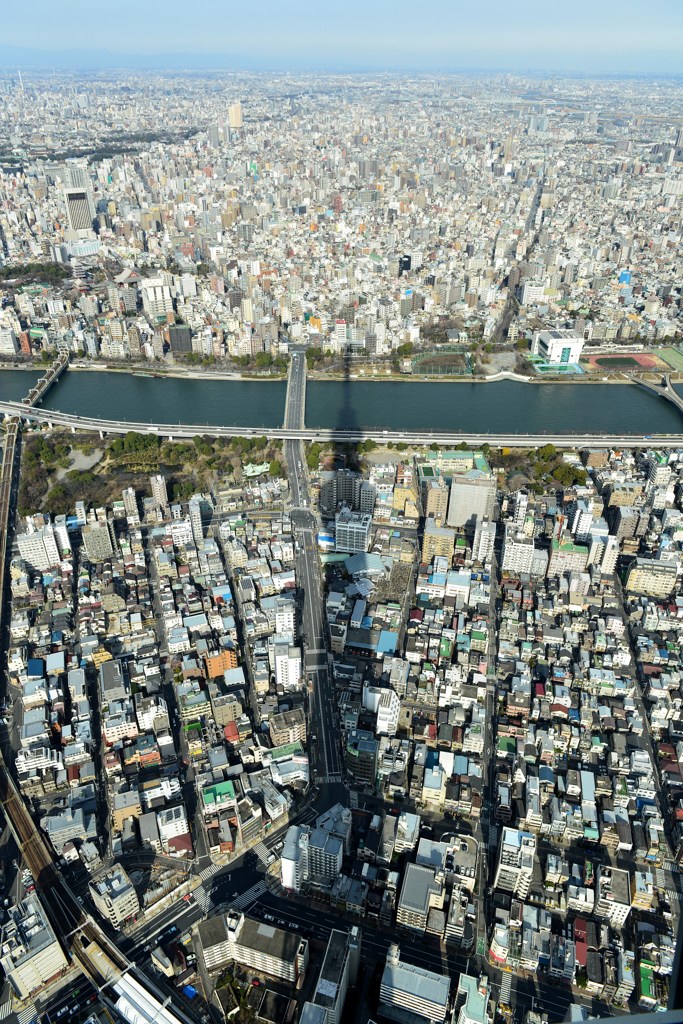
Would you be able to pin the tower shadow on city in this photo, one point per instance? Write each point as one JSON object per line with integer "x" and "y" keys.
{"x": 347, "y": 454}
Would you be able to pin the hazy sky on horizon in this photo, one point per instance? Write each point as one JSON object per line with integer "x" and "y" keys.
{"x": 576, "y": 35}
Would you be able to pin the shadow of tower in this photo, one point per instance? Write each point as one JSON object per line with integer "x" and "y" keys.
{"x": 347, "y": 453}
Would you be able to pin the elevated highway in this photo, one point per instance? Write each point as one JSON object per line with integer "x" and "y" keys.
{"x": 172, "y": 431}
{"x": 665, "y": 390}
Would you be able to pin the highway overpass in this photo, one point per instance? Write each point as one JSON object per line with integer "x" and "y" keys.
{"x": 178, "y": 431}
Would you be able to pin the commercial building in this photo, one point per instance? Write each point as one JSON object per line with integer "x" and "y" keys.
{"x": 114, "y": 896}
{"x": 360, "y": 756}
{"x": 31, "y": 954}
{"x": 410, "y": 994}
{"x": 560, "y": 347}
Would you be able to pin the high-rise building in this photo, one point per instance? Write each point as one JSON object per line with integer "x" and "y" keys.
{"x": 515, "y": 861}
{"x": 352, "y": 531}
{"x": 484, "y": 541}
{"x": 518, "y": 551}
{"x": 473, "y": 497}
{"x": 80, "y": 210}
{"x": 38, "y": 546}
{"x": 436, "y": 500}
{"x": 130, "y": 505}
{"x": 338, "y": 972}
{"x": 159, "y": 490}
{"x": 235, "y": 116}
{"x": 412, "y": 993}
{"x": 114, "y": 896}
{"x": 437, "y": 542}
{"x": 472, "y": 1000}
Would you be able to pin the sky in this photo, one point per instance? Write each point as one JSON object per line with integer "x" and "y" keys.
{"x": 586, "y": 36}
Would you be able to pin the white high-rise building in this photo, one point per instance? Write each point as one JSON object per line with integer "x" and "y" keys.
{"x": 130, "y": 504}
{"x": 484, "y": 541}
{"x": 518, "y": 551}
{"x": 159, "y": 490}
{"x": 515, "y": 862}
{"x": 352, "y": 531}
{"x": 38, "y": 546}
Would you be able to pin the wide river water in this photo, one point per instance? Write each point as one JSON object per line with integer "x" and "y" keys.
{"x": 504, "y": 406}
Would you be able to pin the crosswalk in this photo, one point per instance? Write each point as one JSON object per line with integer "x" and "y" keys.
{"x": 202, "y": 897}
{"x": 27, "y": 1015}
{"x": 246, "y": 899}
{"x": 506, "y": 988}
{"x": 262, "y": 852}
{"x": 5, "y": 1008}
{"x": 209, "y": 871}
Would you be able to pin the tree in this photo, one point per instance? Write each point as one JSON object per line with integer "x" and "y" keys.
{"x": 547, "y": 452}
{"x": 275, "y": 468}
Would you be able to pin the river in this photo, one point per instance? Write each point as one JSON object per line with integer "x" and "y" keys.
{"x": 504, "y": 406}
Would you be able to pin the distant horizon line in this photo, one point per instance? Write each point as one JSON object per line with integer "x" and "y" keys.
{"x": 15, "y": 58}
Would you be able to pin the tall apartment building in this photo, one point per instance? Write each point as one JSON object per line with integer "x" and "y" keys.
{"x": 352, "y": 531}
{"x": 566, "y": 557}
{"x": 515, "y": 862}
{"x": 436, "y": 500}
{"x": 97, "y": 541}
{"x": 338, "y": 972}
{"x": 412, "y": 993}
{"x": 114, "y": 896}
{"x": 265, "y": 949}
{"x": 235, "y": 116}
{"x": 518, "y": 551}
{"x": 472, "y": 497}
{"x": 38, "y": 547}
{"x": 484, "y": 541}
{"x": 310, "y": 855}
{"x": 130, "y": 505}
{"x": 437, "y": 542}
{"x": 650, "y": 577}
{"x": 159, "y": 490}
{"x": 31, "y": 953}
